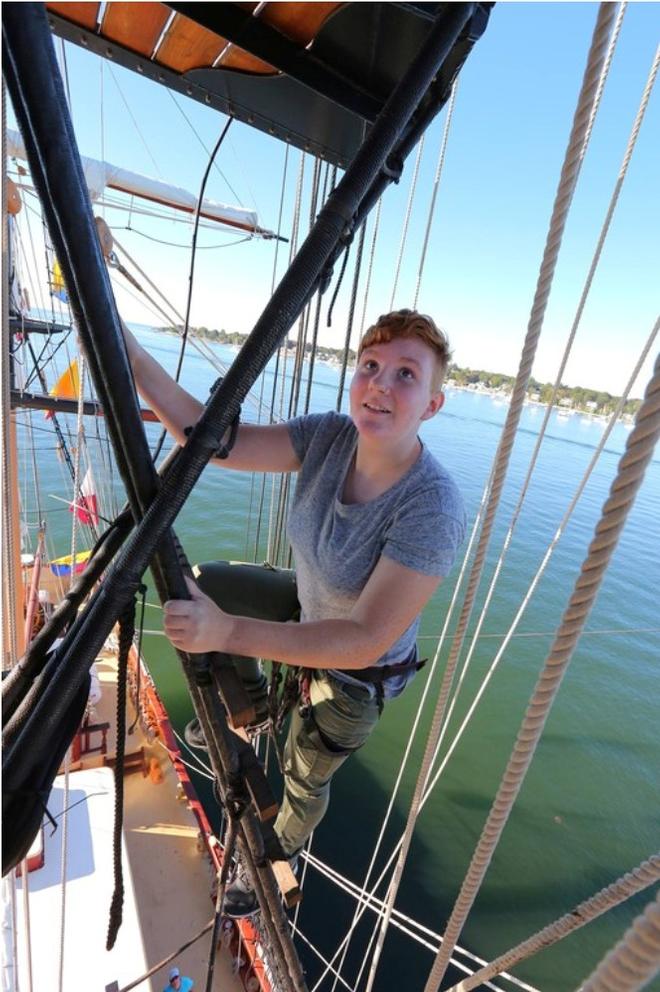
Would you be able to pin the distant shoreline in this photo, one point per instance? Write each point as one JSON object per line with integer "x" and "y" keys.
{"x": 592, "y": 403}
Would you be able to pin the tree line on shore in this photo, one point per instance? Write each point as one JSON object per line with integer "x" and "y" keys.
{"x": 592, "y": 401}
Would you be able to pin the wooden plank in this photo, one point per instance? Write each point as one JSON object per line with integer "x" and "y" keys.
{"x": 234, "y": 695}
{"x": 263, "y": 801}
{"x": 84, "y": 14}
{"x": 135, "y": 26}
{"x": 300, "y": 22}
{"x": 186, "y": 46}
{"x": 287, "y": 883}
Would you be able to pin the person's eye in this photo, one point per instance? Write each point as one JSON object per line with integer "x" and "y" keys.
{"x": 369, "y": 365}
{"x": 406, "y": 373}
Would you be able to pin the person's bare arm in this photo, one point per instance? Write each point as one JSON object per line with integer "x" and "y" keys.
{"x": 388, "y": 604}
{"x": 258, "y": 448}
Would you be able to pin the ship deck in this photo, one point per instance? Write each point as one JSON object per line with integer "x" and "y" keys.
{"x": 167, "y": 877}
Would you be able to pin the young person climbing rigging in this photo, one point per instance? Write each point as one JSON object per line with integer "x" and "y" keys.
{"x": 375, "y": 525}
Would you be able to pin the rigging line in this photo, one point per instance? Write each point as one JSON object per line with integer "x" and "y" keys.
{"x": 406, "y": 220}
{"x": 350, "y": 319}
{"x": 634, "y": 881}
{"x": 624, "y": 488}
{"x": 412, "y": 928}
{"x": 193, "y": 768}
{"x": 197, "y": 341}
{"x": 536, "y": 579}
{"x": 566, "y": 187}
{"x": 135, "y": 123}
{"x": 550, "y": 633}
{"x": 63, "y": 878}
{"x": 262, "y": 495}
{"x": 276, "y": 513}
{"x": 204, "y": 767}
{"x": 173, "y": 244}
{"x": 374, "y": 240}
{"x": 318, "y": 954}
{"x": 411, "y": 737}
{"x": 206, "y": 150}
{"x": 170, "y": 957}
{"x": 549, "y": 407}
{"x": 25, "y": 871}
{"x": 436, "y": 184}
{"x": 191, "y": 273}
{"x": 65, "y": 73}
{"x": 636, "y": 958}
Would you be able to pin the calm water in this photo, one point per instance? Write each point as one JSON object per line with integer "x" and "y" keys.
{"x": 588, "y": 810}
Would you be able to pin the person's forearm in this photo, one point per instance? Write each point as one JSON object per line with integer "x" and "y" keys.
{"x": 173, "y": 406}
{"x": 317, "y": 644}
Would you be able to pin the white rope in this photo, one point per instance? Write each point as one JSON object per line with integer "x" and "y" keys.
{"x": 25, "y": 884}
{"x": 436, "y": 184}
{"x": 359, "y": 910}
{"x": 567, "y": 183}
{"x": 412, "y": 928}
{"x": 406, "y": 220}
{"x": 372, "y": 252}
{"x": 635, "y": 961}
{"x": 179, "y": 757}
{"x": 63, "y": 873}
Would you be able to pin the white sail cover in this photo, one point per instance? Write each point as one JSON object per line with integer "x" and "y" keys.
{"x": 99, "y": 175}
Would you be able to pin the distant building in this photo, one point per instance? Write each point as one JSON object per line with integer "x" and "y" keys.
{"x": 567, "y": 402}
{"x": 591, "y": 405}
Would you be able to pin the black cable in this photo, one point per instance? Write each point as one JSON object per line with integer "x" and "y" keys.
{"x": 184, "y": 336}
{"x": 143, "y": 591}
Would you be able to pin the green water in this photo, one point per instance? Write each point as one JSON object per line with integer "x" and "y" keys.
{"x": 588, "y": 809}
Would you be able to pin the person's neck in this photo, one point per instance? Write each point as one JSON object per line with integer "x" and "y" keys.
{"x": 375, "y": 470}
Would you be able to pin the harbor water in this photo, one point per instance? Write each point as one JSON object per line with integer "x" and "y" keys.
{"x": 588, "y": 810}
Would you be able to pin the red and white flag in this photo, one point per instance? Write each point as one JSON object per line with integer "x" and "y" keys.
{"x": 86, "y": 506}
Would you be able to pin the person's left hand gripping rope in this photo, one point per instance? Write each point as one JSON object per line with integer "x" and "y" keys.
{"x": 196, "y": 625}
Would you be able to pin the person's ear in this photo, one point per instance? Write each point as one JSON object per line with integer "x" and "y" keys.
{"x": 435, "y": 404}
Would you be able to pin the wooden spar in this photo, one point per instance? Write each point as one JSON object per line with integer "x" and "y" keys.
{"x": 99, "y": 175}
{"x": 57, "y": 404}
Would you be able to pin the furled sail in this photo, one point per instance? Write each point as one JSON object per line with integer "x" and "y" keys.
{"x": 101, "y": 175}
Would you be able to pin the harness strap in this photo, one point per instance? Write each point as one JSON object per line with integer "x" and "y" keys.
{"x": 377, "y": 674}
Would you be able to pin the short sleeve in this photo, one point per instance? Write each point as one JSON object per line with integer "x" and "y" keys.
{"x": 427, "y": 531}
{"x": 303, "y": 429}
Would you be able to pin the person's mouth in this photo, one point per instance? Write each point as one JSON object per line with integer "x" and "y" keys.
{"x": 374, "y": 408}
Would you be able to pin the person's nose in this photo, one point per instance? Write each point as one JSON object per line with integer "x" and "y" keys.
{"x": 380, "y": 381}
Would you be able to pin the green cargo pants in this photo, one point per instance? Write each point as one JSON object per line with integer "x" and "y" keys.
{"x": 342, "y": 716}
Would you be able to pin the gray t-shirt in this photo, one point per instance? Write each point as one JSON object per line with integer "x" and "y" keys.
{"x": 418, "y": 522}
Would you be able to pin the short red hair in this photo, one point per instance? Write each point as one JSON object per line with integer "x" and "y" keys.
{"x": 410, "y": 324}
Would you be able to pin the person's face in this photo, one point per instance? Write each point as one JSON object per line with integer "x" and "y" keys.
{"x": 391, "y": 392}
{"x": 175, "y": 983}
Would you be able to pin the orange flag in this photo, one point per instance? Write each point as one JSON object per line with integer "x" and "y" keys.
{"x": 67, "y": 386}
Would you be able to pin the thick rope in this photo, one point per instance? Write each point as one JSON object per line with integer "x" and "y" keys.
{"x": 613, "y": 895}
{"x": 436, "y": 184}
{"x": 638, "y": 454}
{"x": 410, "y": 927}
{"x": 126, "y": 632}
{"x": 567, "y": 184}
{"x": 406, "y": 220}
{"x": 523, "y": 491}
{"x": 635, "y": 961}
{"x": 539, "y": 573}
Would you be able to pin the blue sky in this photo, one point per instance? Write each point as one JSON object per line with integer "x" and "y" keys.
{"x": 514, "y": 108}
